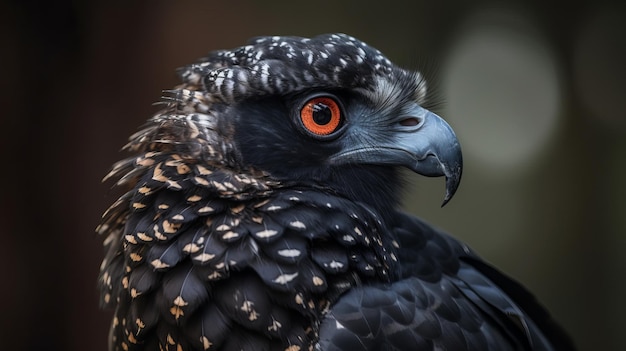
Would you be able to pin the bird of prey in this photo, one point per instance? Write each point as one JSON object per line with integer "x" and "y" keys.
{"x": 261, "y": 213}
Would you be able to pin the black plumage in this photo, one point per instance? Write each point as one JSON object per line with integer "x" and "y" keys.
{"x": 261, "y": 214}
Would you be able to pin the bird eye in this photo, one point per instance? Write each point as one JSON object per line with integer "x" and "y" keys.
{"x": 321, "y": 115}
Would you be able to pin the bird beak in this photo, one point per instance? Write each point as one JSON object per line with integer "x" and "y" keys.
{"x": 423, "y": 142}
{"x": 430, "y": 148}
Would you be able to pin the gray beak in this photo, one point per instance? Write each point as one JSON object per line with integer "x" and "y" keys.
{"x": 422, "y": 142}
{"x": 432, "y": 150}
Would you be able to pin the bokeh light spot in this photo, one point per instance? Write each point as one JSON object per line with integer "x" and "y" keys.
{"x": 503, "y": 91}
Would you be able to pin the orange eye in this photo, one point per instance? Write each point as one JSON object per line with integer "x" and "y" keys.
{"x": 321, "y": 115}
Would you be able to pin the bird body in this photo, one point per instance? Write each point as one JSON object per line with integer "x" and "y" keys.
{"x": 261, "y": 214}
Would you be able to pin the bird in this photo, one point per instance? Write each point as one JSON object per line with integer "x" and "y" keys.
{"x": 260, "y": 210}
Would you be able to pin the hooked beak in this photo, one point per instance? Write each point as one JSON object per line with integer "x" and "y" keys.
{"x": 422, "y": 142}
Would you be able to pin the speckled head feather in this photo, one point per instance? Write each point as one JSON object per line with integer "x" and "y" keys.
{"x": 281, "y": 65}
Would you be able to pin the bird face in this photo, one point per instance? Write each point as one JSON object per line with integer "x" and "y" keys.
{"x": 343, "y": 141}
{"x": 330, "y": 111}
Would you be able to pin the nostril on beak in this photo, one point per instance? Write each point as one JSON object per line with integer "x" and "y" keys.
{"x": 409, "y": 122}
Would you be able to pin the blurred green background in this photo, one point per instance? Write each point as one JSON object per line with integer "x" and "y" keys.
{"x": 535, "y": 90}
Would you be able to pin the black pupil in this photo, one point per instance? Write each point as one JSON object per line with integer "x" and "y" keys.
{"x": 322, "y": 114}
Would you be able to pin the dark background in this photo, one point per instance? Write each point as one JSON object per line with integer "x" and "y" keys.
{"x": 79, "y": 77}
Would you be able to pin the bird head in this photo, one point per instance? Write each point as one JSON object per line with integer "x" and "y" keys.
{"x": 329, "y": 111}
